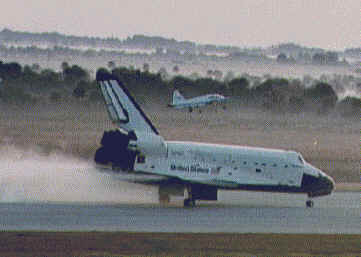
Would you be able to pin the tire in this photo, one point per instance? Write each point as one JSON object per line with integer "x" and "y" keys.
{"x": 189, "y": 202}
{"x": 309, "y": 203}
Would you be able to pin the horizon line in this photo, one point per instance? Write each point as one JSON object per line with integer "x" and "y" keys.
{"x": 178, "y": 41}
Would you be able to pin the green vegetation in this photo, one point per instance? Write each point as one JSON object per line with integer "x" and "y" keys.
{"x": 349, "y": 107}
{"x": 31, "y": 84}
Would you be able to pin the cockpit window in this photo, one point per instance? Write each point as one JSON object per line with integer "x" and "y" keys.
{"x": 301, "y": 159}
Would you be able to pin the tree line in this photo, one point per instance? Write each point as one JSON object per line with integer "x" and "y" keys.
{"x": 31, "y": 84}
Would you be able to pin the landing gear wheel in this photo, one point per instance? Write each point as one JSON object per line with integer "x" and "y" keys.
{"x": 189, "y": 202}
{"x": 309, "y": 203}
{"x": 164, "y": 199}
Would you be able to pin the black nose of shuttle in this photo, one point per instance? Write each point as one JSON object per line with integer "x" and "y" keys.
{"x": 317, "y": 186}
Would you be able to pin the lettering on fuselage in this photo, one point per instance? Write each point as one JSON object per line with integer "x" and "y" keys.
{"x": 177, "y": 153}
{"x": 190, "y": 168}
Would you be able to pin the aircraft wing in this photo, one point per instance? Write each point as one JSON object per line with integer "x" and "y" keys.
{"x": 135, "y": 177}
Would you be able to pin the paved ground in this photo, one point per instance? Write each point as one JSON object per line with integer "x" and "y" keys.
{"x": 238, "y": 212}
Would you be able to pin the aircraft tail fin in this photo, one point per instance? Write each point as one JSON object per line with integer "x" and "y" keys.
{"x": 122, "y": 108}
{"x": 177, "y": 97}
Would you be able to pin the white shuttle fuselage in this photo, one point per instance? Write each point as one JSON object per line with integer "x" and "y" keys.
{"x": 226, "y": 166}
{"x": 200, "y": 167}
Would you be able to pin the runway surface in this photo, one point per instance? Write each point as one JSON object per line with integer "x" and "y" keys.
{"x": 255, "y": 212}
{"x": 59, "y": 193}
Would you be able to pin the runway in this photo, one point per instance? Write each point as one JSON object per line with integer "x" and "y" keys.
{"x": 57, "y": 193}
{"x": 240, "y": 212}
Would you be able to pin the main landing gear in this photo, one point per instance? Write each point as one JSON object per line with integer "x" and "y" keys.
{"x": 164, "y": 199}
{"x": 199, "y": 192}
{"x": 309, "y": 203}
{"x": 190, "y": 201}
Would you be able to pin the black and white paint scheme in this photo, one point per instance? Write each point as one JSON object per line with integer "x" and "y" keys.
{"x": 196, "y": 170}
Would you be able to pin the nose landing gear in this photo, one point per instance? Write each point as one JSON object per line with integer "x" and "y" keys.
{"x": 309, "y": 203}
{"x": 190, "y": 201}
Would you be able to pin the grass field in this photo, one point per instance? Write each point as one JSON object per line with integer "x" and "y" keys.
{"x": 179, "y": 244}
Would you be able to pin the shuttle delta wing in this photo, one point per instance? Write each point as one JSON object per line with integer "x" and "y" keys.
{"x": 122, "y": 108}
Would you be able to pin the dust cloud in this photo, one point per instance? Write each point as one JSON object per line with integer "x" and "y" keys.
{"x": 29, "y": 176}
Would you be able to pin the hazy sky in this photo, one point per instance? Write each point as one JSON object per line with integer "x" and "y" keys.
{"x": 330, "y": 24}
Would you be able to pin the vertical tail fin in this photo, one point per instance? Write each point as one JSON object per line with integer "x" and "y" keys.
{"x": 177, "y": 97}
{"x": 121, "y": 106}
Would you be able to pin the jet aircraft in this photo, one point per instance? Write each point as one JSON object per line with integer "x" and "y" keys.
{"x": 179, "y": 101}
{"x": 197, "y": 169}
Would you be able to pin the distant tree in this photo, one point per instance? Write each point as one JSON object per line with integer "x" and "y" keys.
{"x": 163, "y": 73}
{"x": 239, "y": 87}
{"x": 102, "y": 71}
{"x": 179, "y": 82}
{"x": 296, "y": 104}
{"x": 291, "y": 59}
{"x": 349, "y": 107}
{"x": 331, "y": 57}
{"x": 307, "y": 57}
{"x": 12, "y": 70}
{"x": 307, "y": 80}
{"x": 50, "y": 77}
{"x": 35, "y": 67}
{"x": 209, "y": 85}
{"x": 194, "y": 76}
{"x": 274, "y": 94}
{"x": 282, "y": 58}
{"x": 176, "y": 69}
{"x": 210, "y": 73}
{"x": 111, "y": 65}
{"x": 324, "y": 78}
{"x": 229, "y": 76}
{"x": 321, "y": 97}
{"x": 64, "y": 66}
{"x": 159, "y": 51}
{"x": 325, "y": 58}
{"x": 146, "y": 67}
{"x": 28, "y": 73}
{"x": 90, "y": 53}
{"x": 319, "y": 58}
{"x": 75, "y": 74}
{"x": 138, "y": 80}
{"x": 218, "y": 74}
